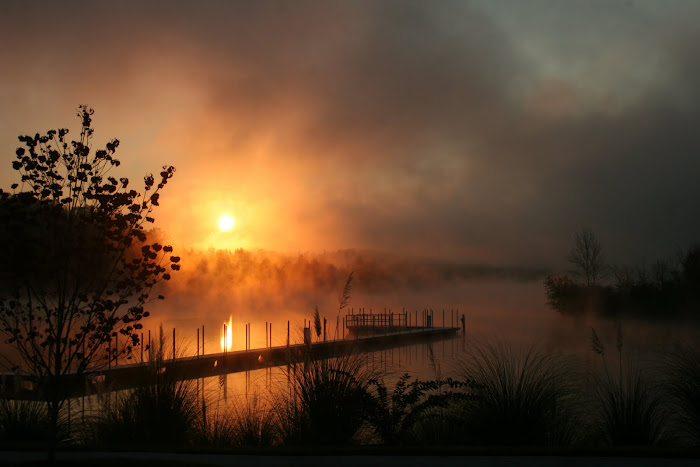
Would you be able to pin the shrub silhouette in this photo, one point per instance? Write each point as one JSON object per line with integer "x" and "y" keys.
{"x": 681, "y": 385}
{"x": 329, "y": 400}
{"x": 628, "y": 409}
{"x": 521, "y": 397}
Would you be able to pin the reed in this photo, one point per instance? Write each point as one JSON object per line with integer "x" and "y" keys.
{"x": 216, "y": 430}
{"x": 255, "y": 423}
{"x": 628, "y": 408}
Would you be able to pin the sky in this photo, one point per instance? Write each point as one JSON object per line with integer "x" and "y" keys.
{"x": 485, "y": 132}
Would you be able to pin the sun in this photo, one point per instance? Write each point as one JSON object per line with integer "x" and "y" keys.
{"x": 226, "y": 223}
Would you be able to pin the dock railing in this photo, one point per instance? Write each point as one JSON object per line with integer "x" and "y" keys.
{"x": 377, "y": 320}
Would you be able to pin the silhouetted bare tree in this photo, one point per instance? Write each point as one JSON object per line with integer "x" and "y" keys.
{"x": 587, "y": 257}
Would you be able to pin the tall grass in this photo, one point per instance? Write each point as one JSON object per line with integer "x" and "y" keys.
{"x": 26, "y": 422}
{"x": 521, "y": 396}
{"x": 628, "y": 408}
{"x": 255, "y": 423}
{"x": 681, "y": 370}
{"x": 249, "y": 422}
{"x": 506, "y": 396}
{"x": 162, "y": 409}
{"x": 329, "y": 401}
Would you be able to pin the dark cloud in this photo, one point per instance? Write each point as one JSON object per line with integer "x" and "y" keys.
{"x": 482, "y": 130}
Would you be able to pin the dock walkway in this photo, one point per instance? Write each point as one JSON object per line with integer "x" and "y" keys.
{"x": 202, "y": 366}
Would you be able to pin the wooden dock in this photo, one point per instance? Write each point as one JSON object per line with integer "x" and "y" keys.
{"x": 203, "y": 366}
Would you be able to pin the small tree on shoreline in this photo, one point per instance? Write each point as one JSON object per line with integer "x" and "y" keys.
{"x": 587, "y": 258}
{"x": 78, "y": 265}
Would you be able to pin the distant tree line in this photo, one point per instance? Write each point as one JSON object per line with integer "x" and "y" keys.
{"x": 663, "y": 289}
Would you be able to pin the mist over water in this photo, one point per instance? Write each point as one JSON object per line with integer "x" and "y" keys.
{"x": 494, "y": 308}
{"x": 505, "y": 309}
{"x": 266, "y": 287}
{"x": 270, "y": 290}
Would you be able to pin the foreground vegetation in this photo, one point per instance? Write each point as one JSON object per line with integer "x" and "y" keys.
{"x": 504, "y": 396}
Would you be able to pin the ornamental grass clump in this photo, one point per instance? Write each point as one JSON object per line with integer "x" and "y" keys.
{"x": 520, "y": 396}
{"x": 328, "y": 400}
{"x": 26, "y": 422}
{"x": 629, "y": 409}
{"x": 681, "y": 386}
{"x": 254, "y": 423}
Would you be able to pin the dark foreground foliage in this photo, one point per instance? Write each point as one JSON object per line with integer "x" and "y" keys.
{"x": 681, "y": 368}
{"x": 162, "y": 410}
{"x": 521, "y": 397}
{"x": 23, "y": 421}
{"x": 628, "y": 407}
{"x": 507, "y": 397}
{"x": 328, "y": 402}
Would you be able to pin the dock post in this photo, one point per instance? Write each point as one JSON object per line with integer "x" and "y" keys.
{"x": 287, "y": 334}
{"x": 141, "y": 347}
{"x": 149, "y": 345}
{"x": 225, "y": 343}
{"x": 198, "y": 345}
{"x": 173, "y": 343}
{"x": 270, "y": 341}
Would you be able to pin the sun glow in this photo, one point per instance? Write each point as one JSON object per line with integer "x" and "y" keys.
{"x": 227, "y": 335}
{"x": 226, "y": 223}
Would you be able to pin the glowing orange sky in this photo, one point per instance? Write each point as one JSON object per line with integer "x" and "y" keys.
{"x": 482, "y": 131}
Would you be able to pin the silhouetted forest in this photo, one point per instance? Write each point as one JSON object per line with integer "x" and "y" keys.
{"x": 664, "y": 289}
{"x": 322, "y": 272}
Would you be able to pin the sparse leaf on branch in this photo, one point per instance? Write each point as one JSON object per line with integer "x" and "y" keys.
{"x": 75, "y": 268}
